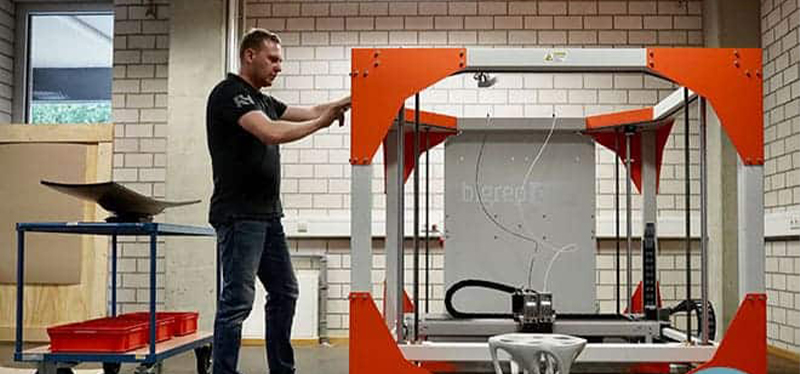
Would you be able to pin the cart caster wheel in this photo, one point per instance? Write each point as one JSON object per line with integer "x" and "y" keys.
{"x": 203, "y": 355}
{"x": 148, "y": 369}
{"x": 60, "y": 371}
{"x": 111, "y": 367}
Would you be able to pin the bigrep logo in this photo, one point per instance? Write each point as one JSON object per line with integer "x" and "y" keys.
{"x": 503, "y": 193}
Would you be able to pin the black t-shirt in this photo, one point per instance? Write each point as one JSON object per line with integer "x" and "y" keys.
{"x": 247, "y": 172}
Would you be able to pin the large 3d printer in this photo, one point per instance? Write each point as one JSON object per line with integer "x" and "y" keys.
{"x": 520, "y": 210}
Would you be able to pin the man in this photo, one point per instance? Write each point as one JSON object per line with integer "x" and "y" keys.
{"x": 244, "y": 128}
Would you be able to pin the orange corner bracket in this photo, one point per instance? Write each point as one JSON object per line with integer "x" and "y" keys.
{"x": 443, "y": 126}
{"x": 602, "y": 128}
{"x": 381, "y": 79}
{"x": 372, "y": 348}
{"x": 744, "y": 347}
{"x": 731, "y": 79}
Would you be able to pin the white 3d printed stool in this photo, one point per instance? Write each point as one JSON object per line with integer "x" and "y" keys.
{"x": 552, "y": 353}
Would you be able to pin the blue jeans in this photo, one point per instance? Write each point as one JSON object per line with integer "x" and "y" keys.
{"x": 248, "y": 249}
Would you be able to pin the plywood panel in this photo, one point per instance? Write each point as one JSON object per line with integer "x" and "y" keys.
{"x": 50, "y": 259}
{"x": 63, "y": 133}
{"x": 50, "y": 304}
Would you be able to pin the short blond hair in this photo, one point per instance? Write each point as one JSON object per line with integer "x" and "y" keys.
{"x": 254, "y": 39}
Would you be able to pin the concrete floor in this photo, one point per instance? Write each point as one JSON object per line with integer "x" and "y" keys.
{"x": 310, "y": 359}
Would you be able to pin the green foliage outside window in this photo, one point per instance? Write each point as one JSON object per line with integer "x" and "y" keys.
{"x": 96, "y": 112}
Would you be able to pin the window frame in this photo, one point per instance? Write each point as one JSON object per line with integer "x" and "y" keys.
{"x": 20, "y": 110}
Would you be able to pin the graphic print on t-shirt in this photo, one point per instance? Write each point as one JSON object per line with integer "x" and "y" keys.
{"x": 243, "y": 100}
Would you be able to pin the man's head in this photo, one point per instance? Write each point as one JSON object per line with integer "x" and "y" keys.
{"x": 260, "y": 57}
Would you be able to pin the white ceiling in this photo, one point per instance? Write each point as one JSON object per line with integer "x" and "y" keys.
{"x": 67, "y": 41}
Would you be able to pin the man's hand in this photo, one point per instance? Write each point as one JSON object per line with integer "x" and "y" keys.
{"x": 344, "y": 105}
{"x": 330, "y": 114}
{"x": 318, "y": 113}
{"x": 343, "y": 102}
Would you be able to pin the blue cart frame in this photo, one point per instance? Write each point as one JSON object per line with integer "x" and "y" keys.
{"x": 147, "y": 357}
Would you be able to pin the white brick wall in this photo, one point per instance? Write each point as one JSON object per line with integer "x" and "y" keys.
{"x": 330, "y": 29}
{"x": 139, "y": 100}
{"x": 317, "y": 40}
{"x": 519, "y": 24}
{"x": 6, "y": 59}
{"x": 779, "y": 21}
{"x": 783, "y": 294}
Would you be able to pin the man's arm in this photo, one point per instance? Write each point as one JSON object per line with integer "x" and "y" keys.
{"x": 277, "y": 132}
{"x": 299, "y": 113}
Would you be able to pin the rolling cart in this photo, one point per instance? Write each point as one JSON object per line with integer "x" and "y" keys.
{"x": 149, "y": 357}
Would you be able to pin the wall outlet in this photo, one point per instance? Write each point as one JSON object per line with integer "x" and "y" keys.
{"x": 794, "y": 221}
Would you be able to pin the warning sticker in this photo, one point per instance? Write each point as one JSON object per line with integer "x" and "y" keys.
{"x": 555, "y": 56}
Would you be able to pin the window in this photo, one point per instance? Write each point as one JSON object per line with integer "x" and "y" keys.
{"x": 65, "y": 68}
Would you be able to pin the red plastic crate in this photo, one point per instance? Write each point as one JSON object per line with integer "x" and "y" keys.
{"x": 185, "y": 322}
{"x": 165, "y": 324}
{"x": 99, "y": 335}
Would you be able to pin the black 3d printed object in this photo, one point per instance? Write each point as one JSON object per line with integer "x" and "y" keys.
{"x": 125, "y": 204}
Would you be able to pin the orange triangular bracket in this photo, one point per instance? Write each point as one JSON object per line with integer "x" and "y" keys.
{"x": 435, "y": 129}
{"x": 606, "y": 130}
{"x": 372, "y": 348}
{"x": 744, "y": 348}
